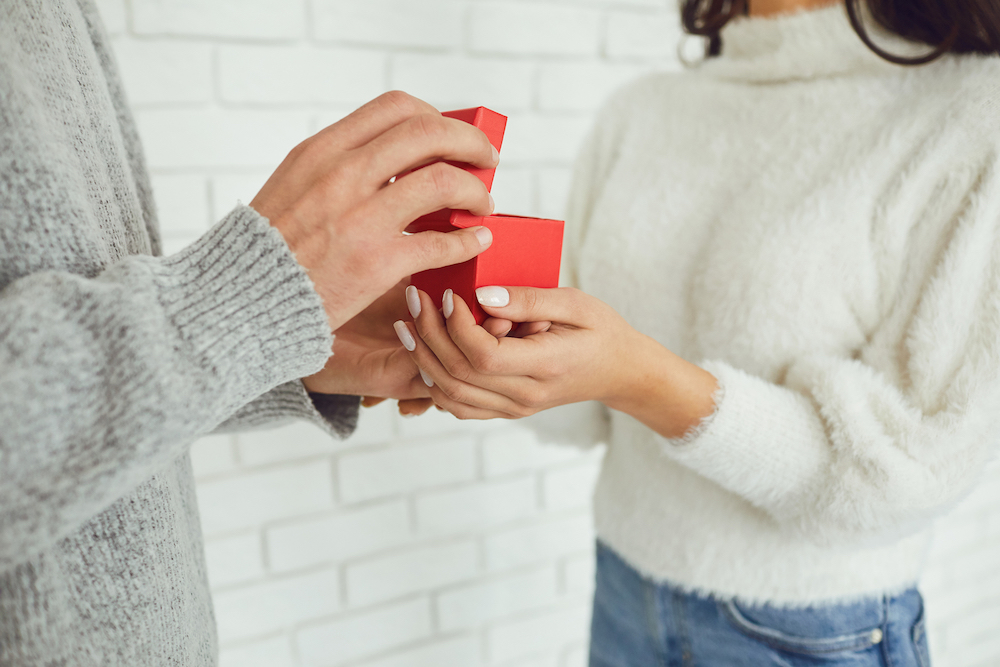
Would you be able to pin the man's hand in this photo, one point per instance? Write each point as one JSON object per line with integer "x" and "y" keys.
{"x": 367, "y": 359}
{"x": 343, "y": 197}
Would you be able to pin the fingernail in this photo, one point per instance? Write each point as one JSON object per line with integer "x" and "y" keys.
{"x": 484, "y": 235}
{"x": 493, "y": 204}
{"x": 496, "y": 154}
{"x": 407, "y": 415}
{"x": 413, "y": 301}
{"x": 426, "y": 378}
{"x": 496, "y": 297}
{"x": 405, "y": 337}
{"x": 448, "y": 303}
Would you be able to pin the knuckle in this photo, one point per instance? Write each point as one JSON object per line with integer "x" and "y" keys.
{"x": 428, "y": 127}
{"x": 455, "y": 392}
{"x": 460, "y": 370}
{"x": 485, "y": 362}
{"x": 532, "y": 398}
{"x": 444, "y": 179}
{"x": 404, "y": 102}
{"x": 525, "y": 411}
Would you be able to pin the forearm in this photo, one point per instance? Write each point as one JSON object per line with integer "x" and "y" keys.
{"x": 658, "y": 388}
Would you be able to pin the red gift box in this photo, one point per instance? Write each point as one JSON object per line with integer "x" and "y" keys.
{"x": 525, "y": 252}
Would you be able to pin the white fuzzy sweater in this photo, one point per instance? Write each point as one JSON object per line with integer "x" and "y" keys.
{"x": 821, "y": 231}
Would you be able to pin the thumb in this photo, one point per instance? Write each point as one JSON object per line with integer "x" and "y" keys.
{"x": 432, "y": 250}
{"x": 531, "y": 304}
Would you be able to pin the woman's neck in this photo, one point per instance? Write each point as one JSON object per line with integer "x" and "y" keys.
{"x": 772, "y": 7}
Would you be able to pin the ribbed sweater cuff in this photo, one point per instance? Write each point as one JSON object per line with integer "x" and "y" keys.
{"x": 764, "y": 442}
{"x": 239, "y": 298}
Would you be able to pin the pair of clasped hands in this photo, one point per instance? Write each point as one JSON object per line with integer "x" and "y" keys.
{"x": 342, "y": 200}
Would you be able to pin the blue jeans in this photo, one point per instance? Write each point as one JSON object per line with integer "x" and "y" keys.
{"x": 641, "y": 623}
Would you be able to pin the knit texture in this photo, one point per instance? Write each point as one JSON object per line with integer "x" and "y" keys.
{"x": 821, "y": 231}
{"x": 113, "y": 360}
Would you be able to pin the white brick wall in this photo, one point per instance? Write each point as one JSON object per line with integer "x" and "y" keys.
{"x": 425, "y": 542}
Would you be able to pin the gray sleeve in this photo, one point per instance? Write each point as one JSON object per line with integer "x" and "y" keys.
{"x": 106, "y": 379}
{"x": 335, "y": 414}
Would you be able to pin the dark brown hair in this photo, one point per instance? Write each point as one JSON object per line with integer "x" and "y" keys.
{"x": 955, "y": 26}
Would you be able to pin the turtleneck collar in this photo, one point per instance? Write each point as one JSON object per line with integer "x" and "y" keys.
{"x": 800, "y": 45}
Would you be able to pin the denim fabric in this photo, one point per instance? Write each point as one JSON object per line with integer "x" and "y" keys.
{"x": 641, "y": 623}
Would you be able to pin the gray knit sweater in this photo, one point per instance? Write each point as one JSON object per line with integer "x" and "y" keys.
{"x": 114, "y": 359}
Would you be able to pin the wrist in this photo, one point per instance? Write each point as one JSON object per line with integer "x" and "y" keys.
{"x": 662, "y": 390}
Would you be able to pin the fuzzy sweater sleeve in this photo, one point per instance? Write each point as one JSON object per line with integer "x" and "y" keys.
{"x": 875, "y": 445}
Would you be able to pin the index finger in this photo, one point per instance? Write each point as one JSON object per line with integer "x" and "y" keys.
{"x": 374, "y": 118}
{"x": 487, "y": 354}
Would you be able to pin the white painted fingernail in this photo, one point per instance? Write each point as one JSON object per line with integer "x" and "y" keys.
{"x": 484, "y": 235}
{"x": 448, "y": 303}
{"x": 426, "y": 378}
{"x": 495, "y": 297}
{"x": 413, "y": 301}
{"x": 405, "y": 337}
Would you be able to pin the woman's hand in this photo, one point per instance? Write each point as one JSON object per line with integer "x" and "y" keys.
{"x": 588, "y": 352}
{"x": 367, "y": 359}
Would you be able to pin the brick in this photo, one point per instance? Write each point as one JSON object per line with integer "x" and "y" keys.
{"x": 276, "y": 604}
{"x": 259, "y": 19}
{"x": 539, "y": 542}
{"x": 327, "y": 116}
{"x": 113, "y": 15}
{"x": 554, "y": 187}
{"x": 571, "y": 487}
{"x": 230, "y": 189}
{"x": 576, "y": 656}
{"x": 954, "y": 535}
{"x": 410, "y": 571}
{"x": 304, "y": 440}
{"x": 338, "y": 538}
{"x": 552, "y": 138}
{"x": 533, "y": 29}
{"x": 194, "y": 138}
{"x": 548, "y": 659}
{"x": 181, "y": 204}
{"x": 460, "y": 652}
{"x": 234, "y": 560}
{"x": 174, "y": 244}
{"x": 396, "y": 470}
{"x": 212, "y": 454}
{"x": 538, "y": 633}
{"x": 645, "y": 36}
{"x": 435, "y": 422}
{"x": 578, "y": 575}
{"x": 581, "y": 86}
{"x": 297, "y": 440}
{"x": 364, "y": 634}
{"x": 164, "y": 72}
{"x": 979, "y": 624}
{"x": 453, "y": 82}
{"x": 516, "y": 449}
{"x": 514, "y": 191}
{"x": 273, "y": 652}
{"x": 375, "y": 425}
{"x": 255, "y": 498}
{"x": 482, "y": 603}
{"x": 667, "y": 5}
{"x": 300, "y": 74}
{"x": 476, "y": 507}
{"x": 393, "y": 23}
